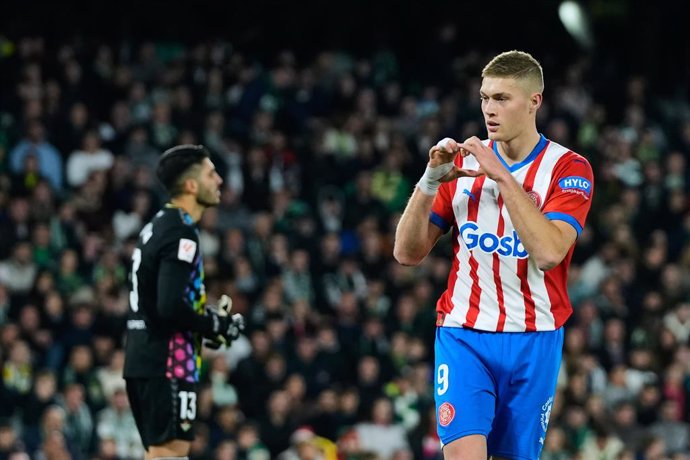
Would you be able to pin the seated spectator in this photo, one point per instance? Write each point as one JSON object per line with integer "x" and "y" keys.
{"x": 91, "y": 157}
{"x": 19, "y": 272}
{"x": 380, "y": 435}
{"x": 48, "y": 158}
{"x": 79, "y": 424}
{"x": 10, "y": 444}
{"x": 116, "y": 422}
{"x": 675, "y": 433}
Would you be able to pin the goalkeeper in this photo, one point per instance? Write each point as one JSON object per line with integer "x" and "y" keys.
{"x": 168, "y": 314}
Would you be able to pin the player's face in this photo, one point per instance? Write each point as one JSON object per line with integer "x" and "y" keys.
{"x": 507, "y": 106}
{"x": 209, "y": 181}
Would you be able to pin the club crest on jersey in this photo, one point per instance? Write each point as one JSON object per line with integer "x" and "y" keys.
{"x": 535, "y": 197}
{"x": 576, "y": 184}
{"x": 185, "y": 426}
{"x": 446, "y": 414}
{"x": 508, "y": 245}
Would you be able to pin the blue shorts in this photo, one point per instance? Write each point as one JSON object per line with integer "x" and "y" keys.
{"x": 497, "y": 384}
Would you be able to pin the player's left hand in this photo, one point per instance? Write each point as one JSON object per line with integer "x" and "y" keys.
{"x": 232, "y": 326}
{"x": 489, "y": 164}
{"x": 232, "y": 332}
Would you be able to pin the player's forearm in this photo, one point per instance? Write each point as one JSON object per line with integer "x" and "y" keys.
{"x": 542, "y": 240}
{"x": 413, "y": 240}
{"x": 173, "y": 305}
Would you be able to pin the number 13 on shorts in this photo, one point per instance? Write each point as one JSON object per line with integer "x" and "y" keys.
{"x": 187, "y": 405}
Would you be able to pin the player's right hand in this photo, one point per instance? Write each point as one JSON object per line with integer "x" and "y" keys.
{"x": 443, "y": 152}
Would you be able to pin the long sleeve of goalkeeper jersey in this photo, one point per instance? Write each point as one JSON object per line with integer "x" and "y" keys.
{"x": 174, "y": 279}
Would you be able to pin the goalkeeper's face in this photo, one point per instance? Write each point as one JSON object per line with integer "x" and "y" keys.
{"x": 208, "y": 192}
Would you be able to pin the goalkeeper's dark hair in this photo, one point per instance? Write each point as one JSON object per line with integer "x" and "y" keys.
{"x": 176, "y": 164}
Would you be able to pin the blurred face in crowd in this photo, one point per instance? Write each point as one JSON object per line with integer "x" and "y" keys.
{"x": 382, "y": 413}
{"x": 45, "y": 386}
{"x": 328, "y": 401}
{"x": 368, "y": 369}
{"x": 624, "y": 415}
{"x": 53, "y": 419}
{"x": 20, "y": 354}
{"x": 36, "y": 133}
{"x": 22, "y": 253}
{"x": 226, "y": 450}
{"x": 120, "y": 401}
{"x": 296, "y": 387}
{"x": 349, "y": 402}
{"x": 91, "y": 142}
{"x": 306, "y": 349}
{"x": 247, "y": 437}
{"x": 7, "y": 437}
{"x": 74, "y": 397}
{"x": 30, "y": 319}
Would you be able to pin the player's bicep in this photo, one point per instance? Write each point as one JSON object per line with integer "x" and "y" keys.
{"x": 570, "y": 197}
{"x": 176, "y": 267}
{"x": 173, "y": 279}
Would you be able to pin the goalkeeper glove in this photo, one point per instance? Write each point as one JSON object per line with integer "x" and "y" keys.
{"x": 226, "y": 328}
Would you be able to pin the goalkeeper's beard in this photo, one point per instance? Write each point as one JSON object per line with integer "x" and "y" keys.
{"x": 206, "y": 200}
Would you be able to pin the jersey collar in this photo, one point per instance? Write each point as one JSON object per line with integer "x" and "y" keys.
{"x": 530, "y": 158}
{"x": 185, "y": 216}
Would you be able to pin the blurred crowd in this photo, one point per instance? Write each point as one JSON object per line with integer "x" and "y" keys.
{"x": 318, "y": 158}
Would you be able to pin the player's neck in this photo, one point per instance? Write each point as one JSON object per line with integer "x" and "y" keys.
{"x": 518, "y": 148}
{"x": 188, "y": 204}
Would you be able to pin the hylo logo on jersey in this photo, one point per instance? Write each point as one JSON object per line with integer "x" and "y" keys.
{"x": 509, "y": 245}
{"x": 186, "y": 250}
{"x": 574, "y": 184}
{"x": 446, "y": 414}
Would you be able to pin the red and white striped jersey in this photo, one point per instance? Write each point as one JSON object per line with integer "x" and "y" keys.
{"x": 493, "y": 284}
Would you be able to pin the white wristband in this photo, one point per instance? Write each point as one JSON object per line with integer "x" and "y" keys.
{"x": 430, "y": 180}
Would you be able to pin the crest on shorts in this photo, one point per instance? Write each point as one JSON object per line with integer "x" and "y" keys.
{"x": 185, "y": 426}
{"x": 535, "y": 197}
{"x": 446, "y": 414}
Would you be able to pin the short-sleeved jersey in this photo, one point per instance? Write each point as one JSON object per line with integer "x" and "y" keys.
{"x": 157, "y": 345}
{"x": 493, "y": 284}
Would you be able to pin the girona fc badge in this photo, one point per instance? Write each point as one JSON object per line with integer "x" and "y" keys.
{"x": 536, "y": 199}
{"x": 446, "y": 414}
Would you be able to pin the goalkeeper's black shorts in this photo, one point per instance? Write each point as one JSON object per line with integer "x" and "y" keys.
{"x": 164, "y": 409}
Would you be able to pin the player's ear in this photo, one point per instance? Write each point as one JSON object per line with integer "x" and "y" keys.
{"x": 535, "y": 102}
{"x": 190, "y": 185}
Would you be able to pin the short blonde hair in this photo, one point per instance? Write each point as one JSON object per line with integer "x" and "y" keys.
{"x": 518, "y": 65}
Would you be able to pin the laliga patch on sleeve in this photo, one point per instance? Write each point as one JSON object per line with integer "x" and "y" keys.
{"x": 186, "y": 250}
{"x": 575, "y": 184}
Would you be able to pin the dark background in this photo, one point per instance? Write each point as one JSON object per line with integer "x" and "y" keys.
{"x": 645, "y": 37}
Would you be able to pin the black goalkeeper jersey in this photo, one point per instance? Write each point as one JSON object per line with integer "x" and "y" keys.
{"x": 167, "y": 302}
